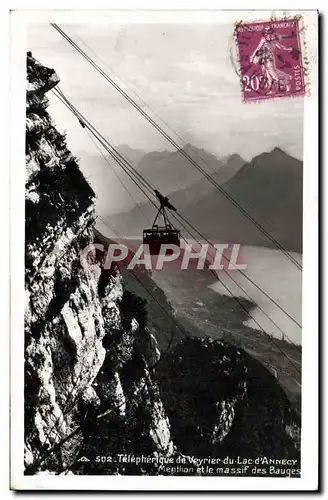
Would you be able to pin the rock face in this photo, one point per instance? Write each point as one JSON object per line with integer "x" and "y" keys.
{"x": 87, "y": 362}
{"x": 92, "y": 391}
{"x": 222, "y": 402}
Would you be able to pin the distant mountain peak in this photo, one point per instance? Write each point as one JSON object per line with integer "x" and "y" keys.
{"x": 276, "y": 155}
{"x": 278, "y": 150}
{"x": 133, "y": 154}
{"x": 188, "y": 145}
{"x": 235, "y": 157}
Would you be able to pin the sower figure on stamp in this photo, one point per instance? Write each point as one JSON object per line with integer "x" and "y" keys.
{"x": 264, "y": 55}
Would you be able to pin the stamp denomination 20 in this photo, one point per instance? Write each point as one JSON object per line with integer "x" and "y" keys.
{"x": 270, "y": 59}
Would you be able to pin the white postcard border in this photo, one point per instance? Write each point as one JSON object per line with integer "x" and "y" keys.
{"x": 309, "y": 455}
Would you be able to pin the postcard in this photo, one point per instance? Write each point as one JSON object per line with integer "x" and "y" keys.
{"x": 164, "y": 329}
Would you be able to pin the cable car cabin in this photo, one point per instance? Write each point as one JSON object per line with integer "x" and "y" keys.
{"x": 161, "y": 235}
{"x": 157, "y": 236}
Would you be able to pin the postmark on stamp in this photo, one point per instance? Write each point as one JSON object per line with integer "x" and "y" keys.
{"x": 270, "y": 59}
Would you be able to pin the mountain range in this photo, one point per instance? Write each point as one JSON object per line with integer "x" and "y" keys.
{"x": 168, "y": 170}
{"x": 268, "y": 188}
{"x": 171, "y": 171}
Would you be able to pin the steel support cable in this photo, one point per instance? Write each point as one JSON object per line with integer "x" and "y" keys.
{"x": 85, "y": 123}
{"x": 125, "y": 164}
{"x": 145, "y": 288}
{"x": 248, "y": 314}
{"x": 83, "y": 120}
{"x": 71, "y": 402}
{"x": 110, "y": 68}
{"x": 188, "y": 157}
{"x": 172, "y": 336}
{"x": 58, "y": 445}
{"x": 144, "y": 103}
{"x": 241, "y": 272}
{"x": 130, "y": 166}
{"x": 240, "y": 286}
{"x": 215, "y": 274}
{"x": 117, "y": 176}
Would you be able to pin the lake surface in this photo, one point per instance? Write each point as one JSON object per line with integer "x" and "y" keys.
{"x": 268, "y": 268}
{"x": 192, "y": 294}
{"x": 280, "y": 279}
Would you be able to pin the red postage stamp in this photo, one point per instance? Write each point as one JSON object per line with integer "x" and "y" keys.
{"x": 270, "y": 59}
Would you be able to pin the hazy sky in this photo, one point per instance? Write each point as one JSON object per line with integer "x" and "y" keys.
{"x": 184, "y": 72}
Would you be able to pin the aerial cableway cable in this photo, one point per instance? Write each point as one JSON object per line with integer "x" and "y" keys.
{"x": 131, "y": 171}
{"x": 110, "y": 68}
{"x": 242, "y": 273}
{"x": 117, "y": 175}
{"x": 125, "y": 164}
{"x": 213, "y": 272}
{"x": 291, "y": 362}
{"x": 144, "y": 103}
{"x": 216, "y": 275}
{"x": 128, "y": 166}
{"x": 40, "y": 459}
{"x": 57, "y": 446}
{"x": 180, "y": 150}
{"x": 86, "y": 124}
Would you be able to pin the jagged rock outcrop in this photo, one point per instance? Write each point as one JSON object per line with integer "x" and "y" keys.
{"x": 222, "y": 402}
{"x": 88, "y": 354}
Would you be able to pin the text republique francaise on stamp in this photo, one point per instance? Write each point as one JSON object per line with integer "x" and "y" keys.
{"x": 270, "y": 59}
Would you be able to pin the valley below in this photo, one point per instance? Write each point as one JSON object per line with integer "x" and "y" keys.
{"x": 231, "y": 309}
{"x": 269, "y": 187}
{"x": 205, "y": 308}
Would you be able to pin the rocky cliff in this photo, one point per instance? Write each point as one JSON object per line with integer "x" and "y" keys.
{"x": 96, "y": 385}
{"x": 88, "y": 352}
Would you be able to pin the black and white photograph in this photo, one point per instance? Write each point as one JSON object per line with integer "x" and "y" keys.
{"x": 167, "y": 233}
